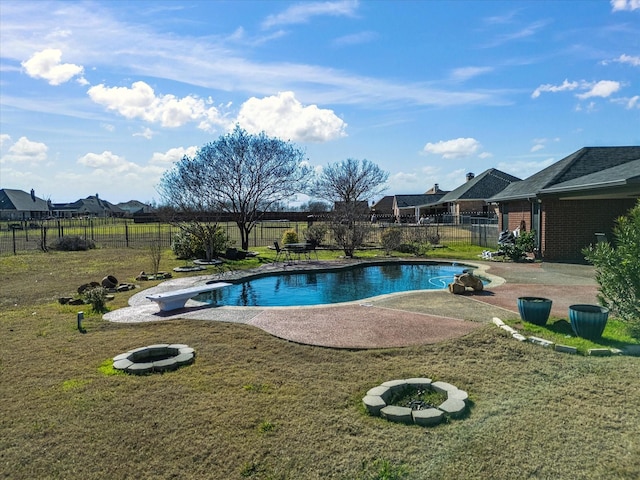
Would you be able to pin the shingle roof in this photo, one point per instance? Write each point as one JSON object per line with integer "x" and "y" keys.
{"x": 21, "y": 201}
{"x": 406, "y": 201}
{"x": 575, "y": 167}
{"x": 624, "y": 174}
{"x": 488, "y": 183}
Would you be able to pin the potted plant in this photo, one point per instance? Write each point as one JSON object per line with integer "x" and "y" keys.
{"x": 588, "y": 321}
{"x": 534, "y": 310}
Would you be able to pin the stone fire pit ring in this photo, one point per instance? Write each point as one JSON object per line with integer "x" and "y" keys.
{"x": 161, "y": 357}
{"x": 375, "y": 401}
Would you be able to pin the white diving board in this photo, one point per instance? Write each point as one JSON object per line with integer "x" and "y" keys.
{"x": 178, "y": 298}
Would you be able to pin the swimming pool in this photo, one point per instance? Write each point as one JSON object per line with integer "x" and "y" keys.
{"x": 333, "y": 286}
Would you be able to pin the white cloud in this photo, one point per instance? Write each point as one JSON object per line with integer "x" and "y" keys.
{"x": 524, "y": 168}
{"x": 172, "y": 155}
{"x": 537, "y": 147}
{"x": 47, "y": 65}
{"x": 303, "y": 12}
{"x": 566, "y": 85}
{"x": 25, "y": 151}
{"x": 4, "y": 138}
{"x": 140, "y": 101}
{"x": 622, "y": 5}
{"x": 146, "y": 133}
{"x": 355, "y": 39}
{"x": 466, "y": 73}
{"x": 285, "y": 117}
{"x": 457, "y": 148}
{"x": 603, "y": 89}
{"x": 634, "y": 102}
{"x": 630, "y": 59}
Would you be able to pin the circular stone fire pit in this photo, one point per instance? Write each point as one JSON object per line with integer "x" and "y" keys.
{"x": 453, "y": 407}
{"x": 154, "y": 358}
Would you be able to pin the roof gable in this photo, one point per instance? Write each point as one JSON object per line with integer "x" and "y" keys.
{"x": 580, "y": 164}
{"x": 406, "y": 201}
{"x": 21, "y": 201}
{"x": 481, "y": 187}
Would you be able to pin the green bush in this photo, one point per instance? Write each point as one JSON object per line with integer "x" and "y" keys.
{"x": 97, "y": 297}
{"x": 186, "y": 246}
{"x": 289, "y": 236}
{"x": 199, "y": 241}
{"x": 315, "y": 234}
{"x": 618, "y": 267}
{"x": 72, "y": 243}
{"x": 525, "y": 243}
{"x": 391, "y": 239}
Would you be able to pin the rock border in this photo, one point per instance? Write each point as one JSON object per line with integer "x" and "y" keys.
{"x": 632, "y": 350}
{"x": 375, "y": 401}
{"x": 136, "y": 361}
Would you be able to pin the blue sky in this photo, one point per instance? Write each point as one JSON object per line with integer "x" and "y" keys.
{"x": 102, "y": 97}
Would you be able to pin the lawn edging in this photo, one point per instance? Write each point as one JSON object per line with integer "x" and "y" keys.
{"x": 631, "y": 350}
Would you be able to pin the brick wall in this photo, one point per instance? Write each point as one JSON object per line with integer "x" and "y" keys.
{"x": 570, "y": 225}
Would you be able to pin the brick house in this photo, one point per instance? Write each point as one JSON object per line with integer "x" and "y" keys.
{"x": 22, "y": 206}
{"x": 470, "y": 198}
{"x": 570, "y": 201}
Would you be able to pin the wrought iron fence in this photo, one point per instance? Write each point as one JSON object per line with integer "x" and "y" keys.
{"x": 124, "y": 233}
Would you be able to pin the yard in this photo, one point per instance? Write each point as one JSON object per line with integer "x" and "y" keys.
{"x": 254, "y": 406}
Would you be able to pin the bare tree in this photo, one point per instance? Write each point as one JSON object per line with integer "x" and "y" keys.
{"x": 240, "y": 173}
{"x": 350, "y": 185}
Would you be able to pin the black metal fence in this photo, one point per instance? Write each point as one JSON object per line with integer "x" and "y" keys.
{"x": 124, "y": 233}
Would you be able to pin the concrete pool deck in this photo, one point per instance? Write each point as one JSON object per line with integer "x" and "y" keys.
{"x": 397, "y": 320}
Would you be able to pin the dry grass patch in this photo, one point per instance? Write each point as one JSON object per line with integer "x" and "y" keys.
{"x": 255, "y": 406}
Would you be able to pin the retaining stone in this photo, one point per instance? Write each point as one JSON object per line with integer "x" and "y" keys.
{"x": 566, "y": 349}
{"x": 520, "y": 337}
{"x": 164, "y": 365}
{"x": 599, "y": 352}
{"x": 443, "y": 387}
{"x": 374, "y": 404}
{"x": 397, "y": 414}
{"x": 396, "y": 385}
{"x": 419, "y": 382}
{"x": 541, "y": 342}
{"x": 453, "y": 407}
{"x": 497, "y": 321}
{"x": 140, "y": 368}
{"x": 457, "y": 394}
{"x": 384, "y": 392}
{"x": 122, "y": 364}
{"x": 427, "y": 417}
{"x": 184, "y": 358}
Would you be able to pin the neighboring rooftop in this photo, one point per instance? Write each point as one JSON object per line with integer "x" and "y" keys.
{"x": 606, "y": 163}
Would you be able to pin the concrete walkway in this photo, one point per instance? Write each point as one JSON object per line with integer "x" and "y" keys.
{"x": 396, "y": 320}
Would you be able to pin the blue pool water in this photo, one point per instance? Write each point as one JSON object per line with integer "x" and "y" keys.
{"x": 336, "y": 286}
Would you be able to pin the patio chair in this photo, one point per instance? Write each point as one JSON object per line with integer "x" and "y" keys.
{"x": 281, "y": 253}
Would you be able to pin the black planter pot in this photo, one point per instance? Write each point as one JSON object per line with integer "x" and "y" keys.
{"x": 588, "y": 321}
{"x": 534, "y": 310}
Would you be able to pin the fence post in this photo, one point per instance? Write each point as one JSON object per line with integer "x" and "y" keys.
{"x": 13, "y": 231}
{"x": 126, "y": 235}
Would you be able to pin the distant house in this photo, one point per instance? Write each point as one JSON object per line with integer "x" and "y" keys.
{"x": 92, "y": 206}
{"x": 21, "y": 206}
{"x": 570, "y": 201}
{"x": 383, "y": 208}
{"x": 411, "y": 207}
{"x": 471, "y": 197}
{"x": 134, "y": 207}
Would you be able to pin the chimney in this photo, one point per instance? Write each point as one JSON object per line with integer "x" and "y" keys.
{"x": 436, "y": 187}
{"x": 33, "y": 195}
{"x": 470, "y": 176}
